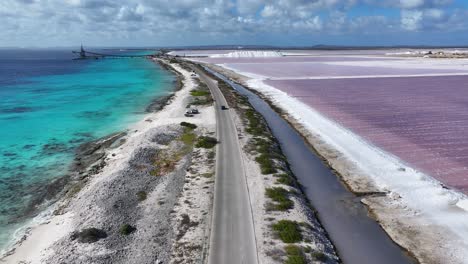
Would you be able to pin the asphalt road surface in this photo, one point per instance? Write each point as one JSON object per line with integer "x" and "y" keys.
{"x": 232, "y": 231}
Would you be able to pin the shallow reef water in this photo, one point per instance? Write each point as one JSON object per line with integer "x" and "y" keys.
{"x": 49, "y": 105}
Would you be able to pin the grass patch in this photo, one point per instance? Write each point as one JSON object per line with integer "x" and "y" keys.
{"x": 280, "y": 198}
{"x": 126, "y": 229}
{"x": 267, "y": 165}
{"x": 206, "y": 142}
{"x": 288, "y": 231}
{"x": 256, "y": 127}
{"x": 262, "y": 145}
{"x": 285, "y": 179}
{"x": 295, "y": 255}
{"x": 188, "y": 137}
{"x": 188, "y": 125}
{"x": 199, "y": 93}
{"x": 141, "y": 196}
{"x": 165, "y": 162}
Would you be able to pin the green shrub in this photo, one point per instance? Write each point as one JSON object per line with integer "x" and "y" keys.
{"x": 89, "y": 235}
{"x": 126, "y": 229}
{"x": 267, "y": 166}
{"x": 189, "y": 125}
{"x": 295, "y": 255}
{"x": 280, "y": 197}
{"x": 141, "y": 195}
{"x": 263, "y": 146}
{"x": 255, "y": 126}
{"x": 288, "y": 231}
{"x": 284, "y": 179}
{"x": 206, "y": 142}
{"x": 199, "y": 93}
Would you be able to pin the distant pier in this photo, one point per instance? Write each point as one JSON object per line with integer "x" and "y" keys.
{"x": 84, "y": 54}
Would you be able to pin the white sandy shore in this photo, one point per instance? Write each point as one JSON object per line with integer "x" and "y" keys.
{"x": 418, "y": 213}
{"x": 37, "y": 245}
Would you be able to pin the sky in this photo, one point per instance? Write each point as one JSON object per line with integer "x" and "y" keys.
{"x": 55, "y": 23}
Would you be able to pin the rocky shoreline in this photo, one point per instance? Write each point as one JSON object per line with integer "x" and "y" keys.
{"x": 130, "y": 199}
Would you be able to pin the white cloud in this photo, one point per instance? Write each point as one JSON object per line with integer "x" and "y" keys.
{"x": 411, "y": 3}
{"x": 411, "y": 20}
{"x": 314, "y": 24}
{"x": 65, "y": 21}
{"x": 433, "y": 13}
{"x": 270, "y": 11}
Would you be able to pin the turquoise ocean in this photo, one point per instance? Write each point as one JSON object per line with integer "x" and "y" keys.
{"x": 49, "y": 105}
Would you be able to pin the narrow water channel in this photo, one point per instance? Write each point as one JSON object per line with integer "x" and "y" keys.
{"x": 357, "y": 237}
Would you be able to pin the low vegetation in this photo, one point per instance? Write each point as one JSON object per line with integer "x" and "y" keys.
{"x": 164, "y": 163}
{"x": 288, "y": 231}
{"x": 188, "y": 137}
{"x": 280, "y": 198}
{"x": 294, "y": 255}
{"x": 263, "y": 142}
{"x": 267, "y": 165}
{"x": 285, "y": 179}
{"x": 188, "y": 125}
{"x": 206, "y": 142}
{"x": 88, "y": 235}
{"x": 126, "y": 229}
{"x": 199, "y": 93}
{"x": 202, "y": 95}
{"x": 256, "y": 125}
{"x": 141, "y": 196}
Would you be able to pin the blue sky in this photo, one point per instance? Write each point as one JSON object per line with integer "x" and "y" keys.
{"x": 50, "y": 23}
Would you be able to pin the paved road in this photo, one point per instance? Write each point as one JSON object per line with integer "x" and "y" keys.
{"x": 232, "y": 232}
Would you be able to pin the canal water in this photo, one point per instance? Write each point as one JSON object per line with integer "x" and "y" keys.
{"x": 357, "y": 237}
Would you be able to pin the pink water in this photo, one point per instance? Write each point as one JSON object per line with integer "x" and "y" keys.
{"x": 422, "y": 120}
